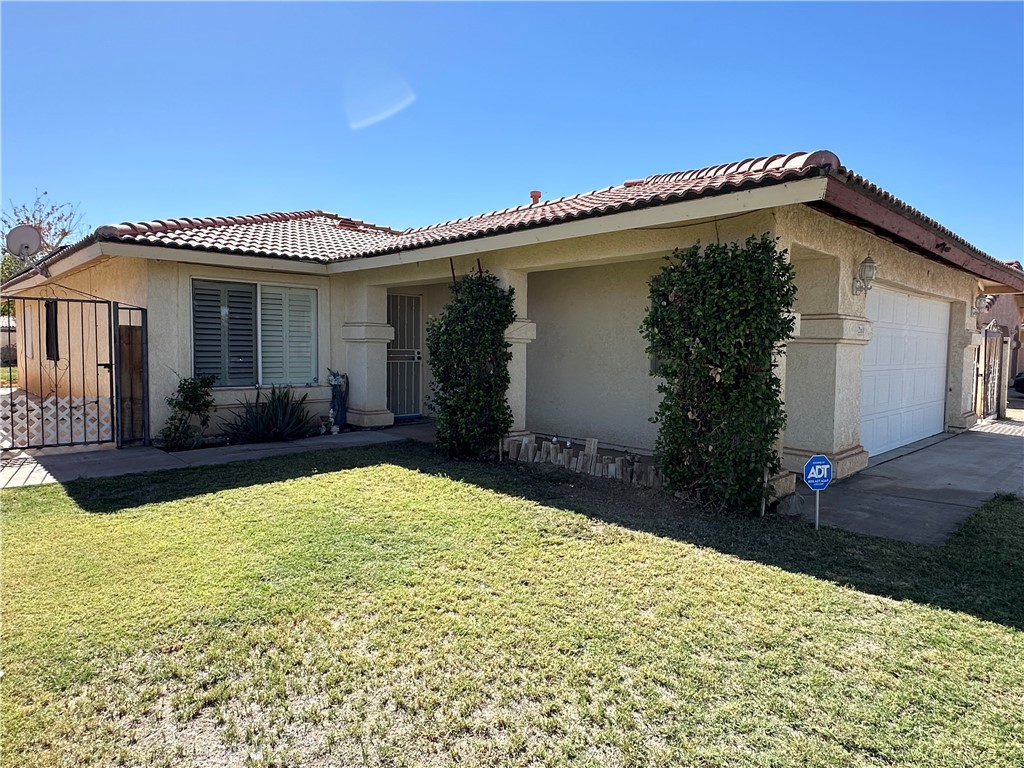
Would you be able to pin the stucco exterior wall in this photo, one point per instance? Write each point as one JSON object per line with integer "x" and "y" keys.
{"x": 169, "y": 299}
{"x": 588, "y": 373}
{"x": 579, "y": 366}
{"x": 83, "y": 329}
{"x": 824, "y": 365}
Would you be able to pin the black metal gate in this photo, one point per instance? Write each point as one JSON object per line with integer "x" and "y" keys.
{"x": 72, "y": 372}
{"x": 990, "y": 373}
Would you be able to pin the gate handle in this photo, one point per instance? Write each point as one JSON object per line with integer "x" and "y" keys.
{"x": 105, "y": 365}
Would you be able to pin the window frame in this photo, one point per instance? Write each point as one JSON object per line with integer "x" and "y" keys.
{"x": 258, "y": 328}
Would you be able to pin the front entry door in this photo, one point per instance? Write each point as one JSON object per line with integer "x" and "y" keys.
{"x": 405, "y": 356}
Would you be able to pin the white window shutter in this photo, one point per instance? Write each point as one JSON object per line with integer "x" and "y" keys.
{"x": 272, "y": 341}
{"x": 224, "y": 331}
{"x": 301, "y": 335}
{"x": 288, "y": 335}
{"x": 240, "y": 299}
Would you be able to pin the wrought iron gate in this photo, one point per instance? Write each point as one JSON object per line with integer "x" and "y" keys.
{"x": 405, "y": 356}
{"x": 77, "y": 374}
{"x": 991, "y": 372}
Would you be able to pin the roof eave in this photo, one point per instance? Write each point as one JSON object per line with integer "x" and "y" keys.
{"x": 920, "y": 236}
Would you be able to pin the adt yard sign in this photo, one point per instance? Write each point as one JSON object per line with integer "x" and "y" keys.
{"x": 818, "y": 472}
{"x": 817, "y": 475}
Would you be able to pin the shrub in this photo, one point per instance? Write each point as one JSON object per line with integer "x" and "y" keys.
{"x": 469, "y": 359}
{"x": 718, "y": 317}
{"x": 280, "y": 416}
{"x": 190, "y": 406}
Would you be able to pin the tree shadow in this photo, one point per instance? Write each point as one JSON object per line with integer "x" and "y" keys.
{"x": 978, "y": 571}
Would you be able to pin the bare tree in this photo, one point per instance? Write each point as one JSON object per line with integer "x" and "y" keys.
{"x": 58, "y": 223}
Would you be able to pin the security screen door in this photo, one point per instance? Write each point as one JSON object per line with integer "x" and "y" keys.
{"x": 405, "y": 356}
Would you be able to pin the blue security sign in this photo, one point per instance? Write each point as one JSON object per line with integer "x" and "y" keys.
{"x": 818, "y": 472}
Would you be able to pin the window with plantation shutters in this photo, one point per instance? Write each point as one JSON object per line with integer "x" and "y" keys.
{"x": 224, "y": 331}
{"x": 231, "y": 321}
{"x": 287, "y": 335}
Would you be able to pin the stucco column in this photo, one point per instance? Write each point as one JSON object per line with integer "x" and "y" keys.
{"x": 366, "y": 334}
{"x": 519, "y": 334}
{"x": 824, "y": 365}
{"x": 824, "y": 385}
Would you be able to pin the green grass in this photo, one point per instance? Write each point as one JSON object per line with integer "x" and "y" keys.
{"x": 382, "y": 607}
{"x": 8, "y": 376}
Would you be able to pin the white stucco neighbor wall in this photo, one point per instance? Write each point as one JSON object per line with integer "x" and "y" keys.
{"x": 824, "y": 365}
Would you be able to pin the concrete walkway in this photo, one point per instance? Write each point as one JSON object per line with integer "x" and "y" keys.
{"x": 59, "y": 465}
{"x": 923, "y": 496}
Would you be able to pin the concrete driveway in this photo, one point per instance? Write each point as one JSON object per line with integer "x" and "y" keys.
{"x": 925, "y": 495}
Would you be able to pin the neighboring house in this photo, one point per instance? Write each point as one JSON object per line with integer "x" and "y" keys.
{"x": 280, "y": 297}
{"x": 1007, "y": 312}
{"x": 8, "y": 341}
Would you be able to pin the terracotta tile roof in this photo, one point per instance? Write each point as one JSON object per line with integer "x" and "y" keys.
{"x": 308, "y": 235}
{"x": 327, "y": 237}
{"x": 631, "y": 195}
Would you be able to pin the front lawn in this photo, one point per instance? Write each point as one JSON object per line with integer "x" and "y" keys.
{"x": 382, "y": 607}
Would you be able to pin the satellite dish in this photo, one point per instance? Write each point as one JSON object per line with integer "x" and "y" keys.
{"x": 23, "y": 242}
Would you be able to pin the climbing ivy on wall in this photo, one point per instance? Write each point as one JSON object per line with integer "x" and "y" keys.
{"x": 718, "y": 316}
{"x": 469, "y": 358}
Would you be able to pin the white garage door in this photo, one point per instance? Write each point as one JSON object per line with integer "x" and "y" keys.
{"x": 904, "y": 395}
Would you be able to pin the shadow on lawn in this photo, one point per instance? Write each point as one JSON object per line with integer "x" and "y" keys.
{"x": 978, "y": 571}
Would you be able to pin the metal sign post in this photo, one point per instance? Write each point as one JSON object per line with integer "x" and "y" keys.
{"x": 817, "y": 475}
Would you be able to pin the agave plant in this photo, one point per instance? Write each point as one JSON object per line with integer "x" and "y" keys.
{"x": 278, "y": 416}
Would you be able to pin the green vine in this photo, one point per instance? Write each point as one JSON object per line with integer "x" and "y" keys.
{"x": 718, "y": 317}
{"x": 469, "y": 358}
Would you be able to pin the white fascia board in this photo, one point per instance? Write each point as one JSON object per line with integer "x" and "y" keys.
{"x": 746, "y": 201}
{"x": 72, "y": 263}
{"x": 213, "y": 258}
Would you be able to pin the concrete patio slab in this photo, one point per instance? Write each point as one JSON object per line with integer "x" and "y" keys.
{"x": 924, "y": 496}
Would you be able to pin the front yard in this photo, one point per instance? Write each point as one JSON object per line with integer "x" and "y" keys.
{"x": 382, "y": 607}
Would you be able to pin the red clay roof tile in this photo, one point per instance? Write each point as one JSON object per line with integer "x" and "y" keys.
{"x": 326, "y": 237}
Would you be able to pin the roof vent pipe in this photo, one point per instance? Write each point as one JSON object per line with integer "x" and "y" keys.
{"x": 535, "y": 196}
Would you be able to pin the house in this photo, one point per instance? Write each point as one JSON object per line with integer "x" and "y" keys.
{"x": 8, "y": 340}
{"x": 1004, "y": 313}
{"x": 280, "y": 297}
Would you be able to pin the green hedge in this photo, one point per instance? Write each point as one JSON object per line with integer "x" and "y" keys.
{"x": 718, "y": 315}
{"x": 469, "y": 359}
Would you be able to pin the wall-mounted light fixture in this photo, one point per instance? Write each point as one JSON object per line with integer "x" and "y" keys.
{"x": 980, "y": 304}
{"x": 866, "y": 273}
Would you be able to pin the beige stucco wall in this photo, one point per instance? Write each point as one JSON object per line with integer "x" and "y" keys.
{"x": 583, "y": 300}
{"x": 83, "y": 329}
{"x": 587, "y": 373}
{"x": 579, "y": 367}
{"x": 824, "y": 365}
{"x": 169, "y": 300}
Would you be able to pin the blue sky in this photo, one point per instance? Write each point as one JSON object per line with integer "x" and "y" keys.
{"x": 145, "y": 110}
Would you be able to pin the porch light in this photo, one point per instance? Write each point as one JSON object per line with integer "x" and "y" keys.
{"x": 865, "y": 276}
{"x": 980, "y": 304}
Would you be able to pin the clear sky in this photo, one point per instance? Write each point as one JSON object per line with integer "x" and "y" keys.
{"x": 411, "y": 114}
